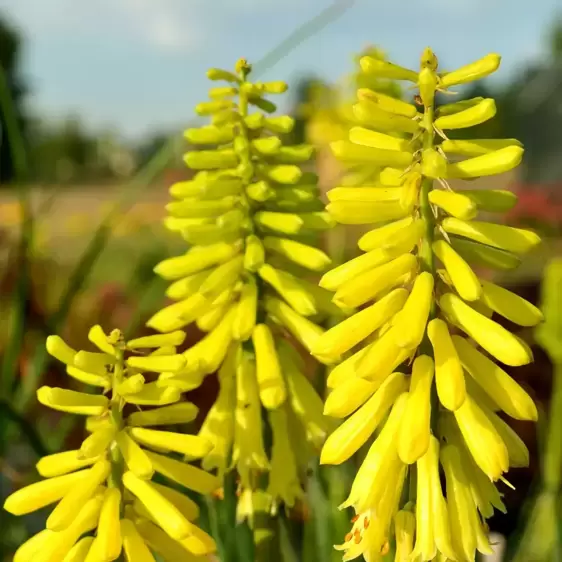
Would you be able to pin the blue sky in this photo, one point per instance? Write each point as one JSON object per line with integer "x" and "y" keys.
{"x": 139, "y": 65}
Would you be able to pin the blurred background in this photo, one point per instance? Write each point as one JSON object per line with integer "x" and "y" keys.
{"x": 94, "y": 97}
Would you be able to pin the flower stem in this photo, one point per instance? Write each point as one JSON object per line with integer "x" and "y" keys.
{"x": 116, "y": 416}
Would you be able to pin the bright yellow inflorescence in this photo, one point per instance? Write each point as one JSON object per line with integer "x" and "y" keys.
{"x": 249, "y": 215}
{"x": 421, "y": 372}
{"x": 106, "y": 504}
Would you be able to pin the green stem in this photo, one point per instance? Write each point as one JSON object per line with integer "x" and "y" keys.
{"x": 426, "y": 251}
{"x": 116, "y": 415}
{"x": 552, "y": 466}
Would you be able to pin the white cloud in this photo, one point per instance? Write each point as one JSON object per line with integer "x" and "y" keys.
{"x": 168, "y": 25}
{"x": 164, "y": 24}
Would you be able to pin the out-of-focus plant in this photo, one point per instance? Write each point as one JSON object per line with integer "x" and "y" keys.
{"x": 442, "y": 414}
{"x": 541, "y": 539}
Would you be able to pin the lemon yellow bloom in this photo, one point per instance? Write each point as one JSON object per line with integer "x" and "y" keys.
{"x": 418, "y": 287}
{"x": 110, "y": 473}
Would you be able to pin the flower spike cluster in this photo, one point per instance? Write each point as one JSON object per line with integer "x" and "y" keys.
{"x": 249, "y": 215}
{"x": 426, "y": 322}
{"x": 106, "y": 504}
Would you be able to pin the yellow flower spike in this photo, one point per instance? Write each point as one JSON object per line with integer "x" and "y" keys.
{"x": 510, "y": 306}
{"x": 108, "y": 536}
{"x": 470, "y": 117}
{"x": 342, "y": 337}
{"x": 516, "y": 448}
{"x": 183, "y": 412}
{"x": 382, "y": 357}
{"x": 135, "y": 458}
{"x": 40, "y": 494}
{"x": 248, "y": 451}
{"x": 72, "y": 401}
{"x": 497, "y": 162}
{"x": 284, "y": 480}
{"x": 482, "y": 439}
{"x": 410, "y": 326}
{"x": 268, "y": 370}
{"x": 163, "y": 511}
{"x": 355, "y": 431}
{"x": 192, "y": 445}
{"x": 59, "y": 464}
{"x": 98, "y": 337}
{"x": 433, "y": 164}
{"x": 456, "y": 204}
{"x": 305, "y": 331}
{"x": 80, "y": 550}
{"x": 334, "y": 279}
{"x": 460, "y": 503}
{"x": 368, "y": 285}
{"x": 495, "y": 339}
{"x": 502, "y": 389}
{"x": 57, "y": 347}
{"x": 463, "y": 278}
{"x": 65, "y": 512}
{"x": 413, "y": 438}
{"x": 133, "y": 544}
{"x": 404, "y": 529}
{"x": 380, "y": 464}
{"x": 472, "y": 72}
{"x": 449, "y": 376}
{"x": 348, "y": 396}
{"x": 290, "y": 288}
{"x": 96, "y": 443}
